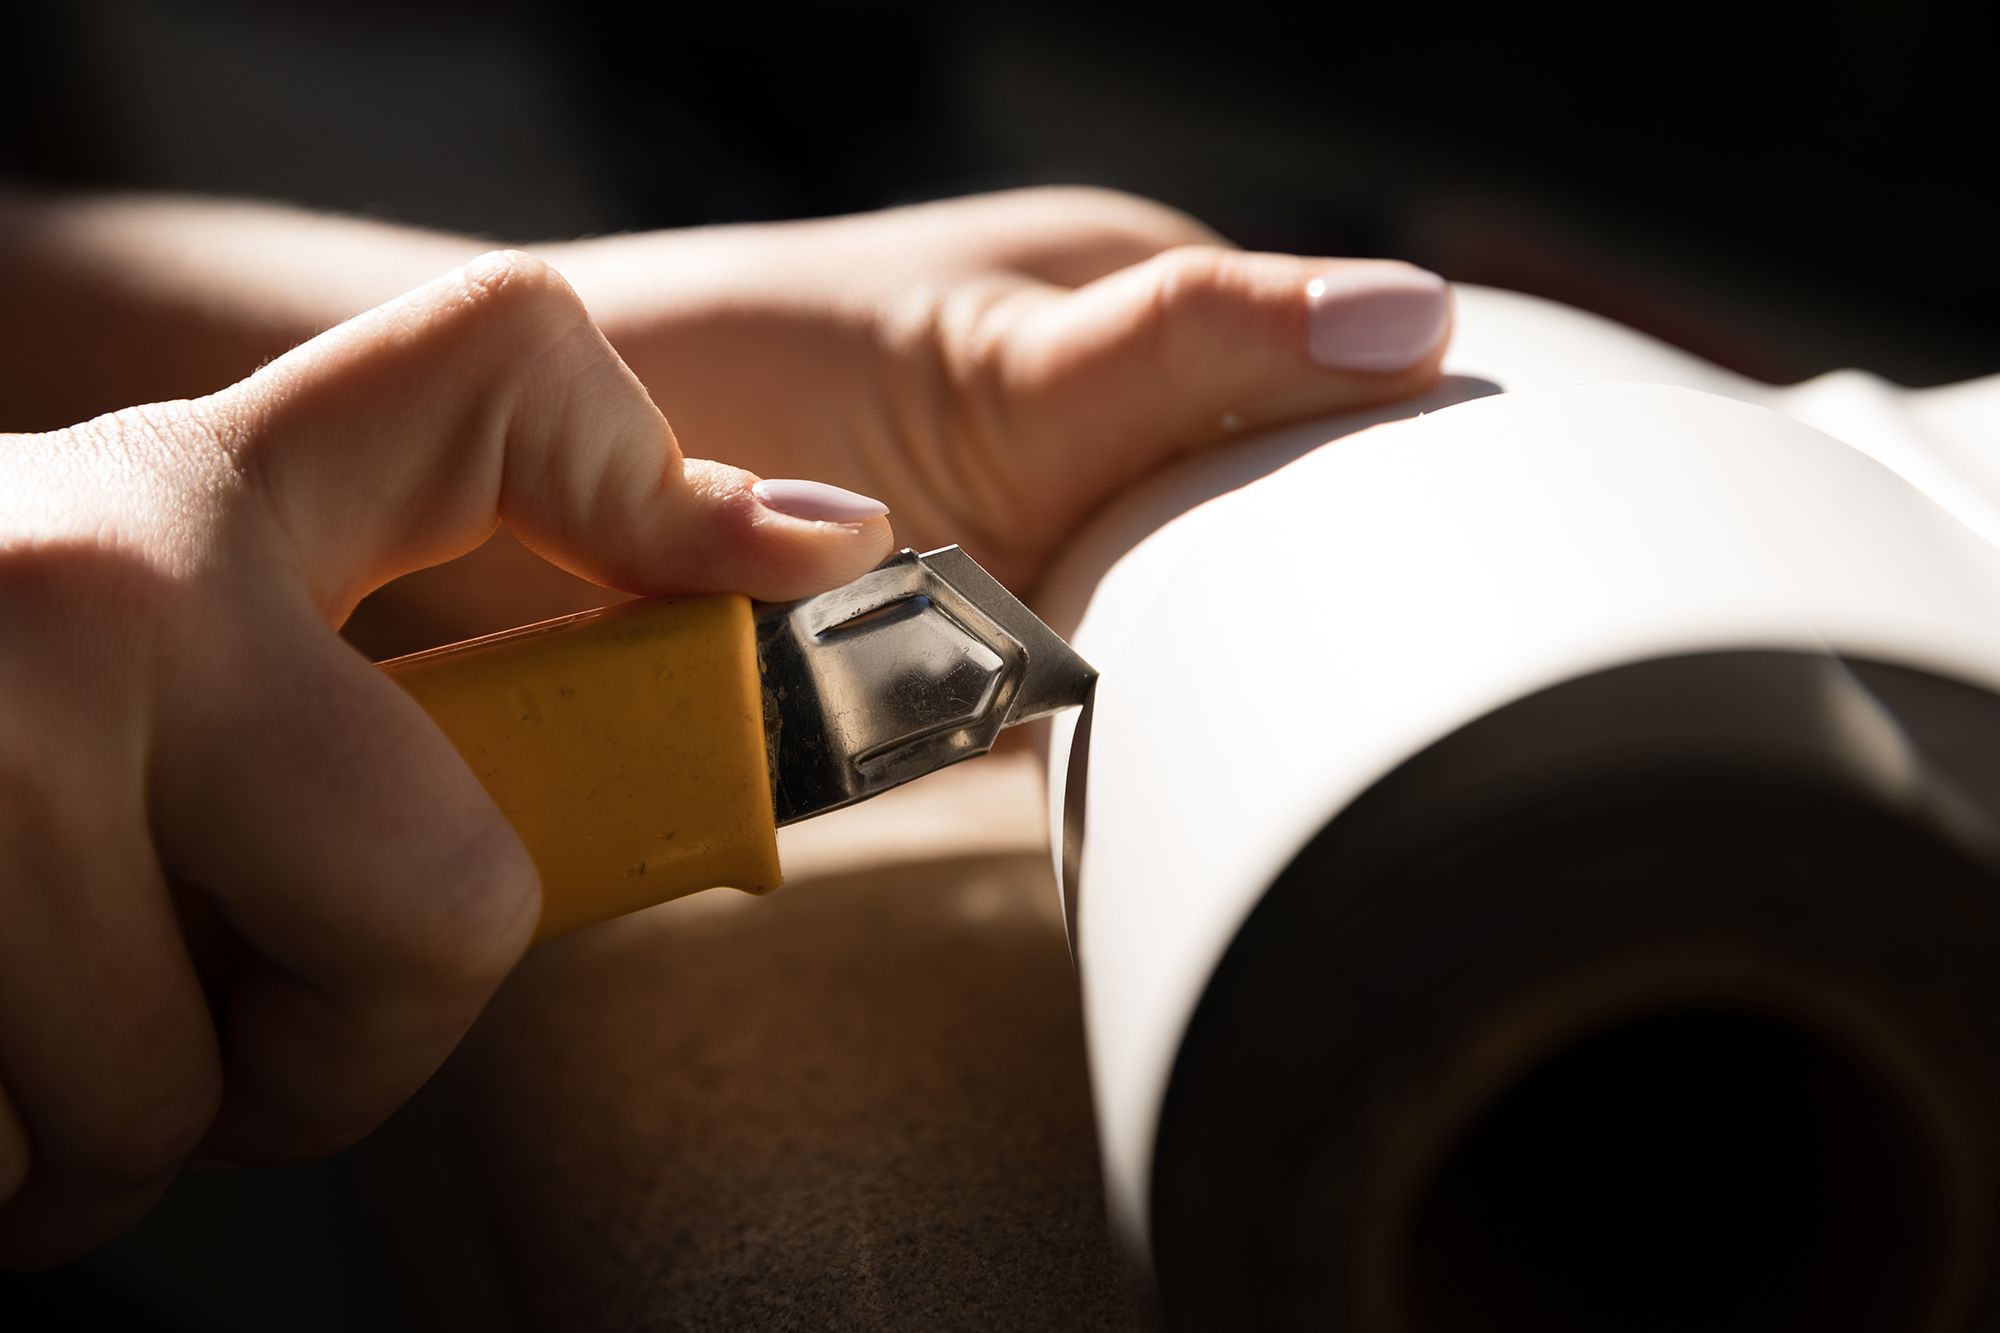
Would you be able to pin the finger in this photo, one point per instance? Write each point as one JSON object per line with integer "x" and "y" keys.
{"x": 397, "y": 440}
{"x": 110, "y": 1065}
{"x": 1200, "y": 343}
{"x": 347, "y": 844}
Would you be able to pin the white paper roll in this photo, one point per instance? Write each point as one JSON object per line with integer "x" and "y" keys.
{"x": 1282, "y": 625}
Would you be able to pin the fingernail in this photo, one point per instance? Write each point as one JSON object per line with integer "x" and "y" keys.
{"x": 1375, "y": 316}
{"x": 817, "y": 502}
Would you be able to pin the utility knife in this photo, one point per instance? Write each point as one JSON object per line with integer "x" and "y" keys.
{"x": 652, "y": 749}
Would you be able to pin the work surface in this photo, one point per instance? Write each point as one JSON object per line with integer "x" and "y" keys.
{"x": 860, "y": 1102}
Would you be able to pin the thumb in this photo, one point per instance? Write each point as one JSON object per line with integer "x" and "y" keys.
{"x": 1202, "y": 341}
{"x": 402, "y": 437}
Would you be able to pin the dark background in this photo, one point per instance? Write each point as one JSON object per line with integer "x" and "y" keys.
{"x": 1782, "y": 188}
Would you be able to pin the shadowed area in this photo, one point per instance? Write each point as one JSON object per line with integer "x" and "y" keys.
{"x": 860, "y": 1102}
{"x": 1660, "y": 999}
{"x": 1776, "y": 1176}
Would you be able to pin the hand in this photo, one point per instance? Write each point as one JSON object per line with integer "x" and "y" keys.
{"x": 249, "y": 896}
{"x": 993, "y": 368}
{"x": 996, "y": 368}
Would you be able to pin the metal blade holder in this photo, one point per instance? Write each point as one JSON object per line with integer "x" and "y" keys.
{"x": 879, "y": 681}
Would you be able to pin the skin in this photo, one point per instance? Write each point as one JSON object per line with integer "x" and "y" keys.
{"x": 251, "y": 896}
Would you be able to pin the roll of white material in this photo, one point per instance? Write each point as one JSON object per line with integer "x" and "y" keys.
{"x": 1281, "y": 626}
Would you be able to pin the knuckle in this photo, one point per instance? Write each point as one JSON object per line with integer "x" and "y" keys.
{"x": 517, "y": 320}
{"x": 1183, "y": 290}
{"x": 1197, "y": 276}
{"x": 1202, "y": 298}
{"x": 510, "y": 332}
{"x": 519, "y": 285}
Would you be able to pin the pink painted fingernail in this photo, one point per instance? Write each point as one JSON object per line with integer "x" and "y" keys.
{"x": 817, "y": 502}
{"x": 1375, "y": 315}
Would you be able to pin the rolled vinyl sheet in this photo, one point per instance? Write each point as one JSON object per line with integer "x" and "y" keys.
{"x": 1281, "y": 624}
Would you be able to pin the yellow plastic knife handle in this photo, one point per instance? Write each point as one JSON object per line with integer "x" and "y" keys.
{"x": 626, "y": 747}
